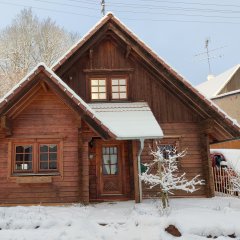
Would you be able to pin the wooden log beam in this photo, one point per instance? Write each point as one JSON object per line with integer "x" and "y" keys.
{"x": 6, "y": 125}
{"x": 44, "y": 86}
{"x": 128, "y": 51}
{"x": 135, "y": 171}
{"x": 207, "y": 165}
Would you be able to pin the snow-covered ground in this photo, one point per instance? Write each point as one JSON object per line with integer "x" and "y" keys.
{"x": 195, "y": 218}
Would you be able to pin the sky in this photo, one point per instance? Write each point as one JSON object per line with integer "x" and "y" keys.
{"x": 175, "y": 29}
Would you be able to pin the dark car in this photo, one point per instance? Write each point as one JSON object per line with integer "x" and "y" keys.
{"x": 218, "y": 160}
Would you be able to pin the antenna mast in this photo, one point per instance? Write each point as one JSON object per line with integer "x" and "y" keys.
{"x": 103, "y": 7}
{"x": 207, "y": 52}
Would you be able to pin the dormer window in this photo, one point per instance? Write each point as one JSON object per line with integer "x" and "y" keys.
{"x": 98, "y": 89}
{"x": 108, "y": 88}
{"x": 119, "y": 88}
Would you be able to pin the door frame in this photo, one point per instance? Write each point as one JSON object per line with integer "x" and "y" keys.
{"x": 121, "y": 165}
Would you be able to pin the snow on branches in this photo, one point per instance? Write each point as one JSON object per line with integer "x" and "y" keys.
{"x": 234, "y": 178}
{"x": 164, "y": 172}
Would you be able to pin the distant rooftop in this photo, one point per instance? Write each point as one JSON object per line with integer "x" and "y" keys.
{"x": 212, "y": 87}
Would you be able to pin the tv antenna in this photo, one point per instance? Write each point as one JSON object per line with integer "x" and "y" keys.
{"x": 207, "y": 53}
{"x": 103, "y": 7}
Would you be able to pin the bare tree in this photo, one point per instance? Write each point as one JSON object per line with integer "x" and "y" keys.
{"x": 28, "y": 41}
{"x": 167, "y": 175}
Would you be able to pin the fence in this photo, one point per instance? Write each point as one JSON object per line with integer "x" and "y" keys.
{"x": 223, "y": 182}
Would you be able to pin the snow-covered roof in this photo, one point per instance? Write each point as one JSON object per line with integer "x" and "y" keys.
{"x": 226, "y": 94}
{"x": 121, "y": 120}
{"x": 212, "y": 87}
{"x": 131, "y": 120}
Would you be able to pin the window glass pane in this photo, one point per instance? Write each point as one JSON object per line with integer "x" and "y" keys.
{"x": 19, "y": 157}
{"x": 122, "y": 82}
{"x": 53, "y": 165}
{"x": 102, "y": 82}
{"x": 111, "y": 150}
{"x": 114, "y": 169}
{"x": 28, "y": 157}
{"x": 44, "y": 165}
{"x": 43, "y": 156}
{"x": 94, "y": 89}
{"x": 113, "y": 159}
{"x": 115, "y": 150}
{"x": 53, "y": 156}
{"x": 106, "y": 159}
{"x": 114, "y": 82}
{"x": 18, "y": 166}
{"x": 43, "y": 148}
{"x": 52, "y": 148}
{"x": 94, "y": 82}
{"x": 102, "y": 89}
{"x": 95, "y": 96}
{"x": 23, "y": 166}
{"x": 27, "y": 149}
{"x": 123, "y": 88}
{"x": 19, "y": 149}
{"x": 114, "y": 88}
{"x": 123, "y": 95}
{"x": 102, "y": 95}
{"x": 115, "y": 95}
{"x": 106, "y": 169}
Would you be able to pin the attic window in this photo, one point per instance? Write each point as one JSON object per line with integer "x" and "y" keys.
{"x": 108, "y": 87}
{"x": 98, "y": 89}
{"x": 119, "y": 88}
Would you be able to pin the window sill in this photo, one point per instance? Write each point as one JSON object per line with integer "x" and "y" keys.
{"x": 35, "y": 174}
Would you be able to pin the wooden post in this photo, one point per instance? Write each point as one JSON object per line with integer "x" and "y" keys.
{"x": 84, "y": 167}
{"x": 207, "y": 165}
{"x": 135, "y": 171}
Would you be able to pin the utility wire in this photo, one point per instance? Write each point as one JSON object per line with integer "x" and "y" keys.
{"x": 145, "y": 12}
{"x": 139, "y": 6}
{"x": 48, "y": 9}
{"x": 175, "y": 14}
{"x": 65, "y": 4}
{"x": 193, "y": 3}
{"x": 131, "y": 19}
{"x": 144, "y": 6}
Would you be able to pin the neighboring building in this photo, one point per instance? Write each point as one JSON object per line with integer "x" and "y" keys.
{"x": 72, "y": 133}
{"x": 224, "y": 90}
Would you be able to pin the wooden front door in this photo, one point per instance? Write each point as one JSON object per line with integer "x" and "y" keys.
{"x": 110, "y": 169}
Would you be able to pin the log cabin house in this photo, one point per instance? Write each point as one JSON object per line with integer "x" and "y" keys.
{"x": 78, "y": 132}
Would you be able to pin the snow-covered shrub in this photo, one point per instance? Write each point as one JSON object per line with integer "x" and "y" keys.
{"x": 167, "y": 175}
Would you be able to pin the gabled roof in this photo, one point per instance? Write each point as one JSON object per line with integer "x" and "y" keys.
{"x": 235, "y": 92}
{"x": 211, "y": 88}
{"x": 118, "y": 120}
{"x": 14, "y": 95}
{"x": 158, "y": 66}
{"x": 131, "y": 120}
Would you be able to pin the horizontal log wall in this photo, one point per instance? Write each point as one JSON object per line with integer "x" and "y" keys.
{"x": 192, "y": 164}
{"x": 175, "y": 116}
{"x": 46, "y": 117}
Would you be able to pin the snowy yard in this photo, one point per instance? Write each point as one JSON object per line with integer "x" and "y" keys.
{"x": 195, "y": 218}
